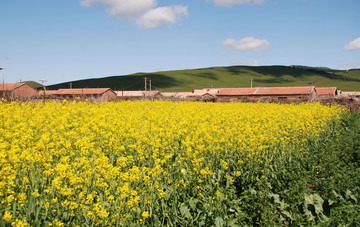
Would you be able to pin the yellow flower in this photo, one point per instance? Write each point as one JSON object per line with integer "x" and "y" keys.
{"x": 21, "y": 223}
{"x": 7, "y": 216}
{"x": 145, "y": 214}
{"x": 36, "y": 193}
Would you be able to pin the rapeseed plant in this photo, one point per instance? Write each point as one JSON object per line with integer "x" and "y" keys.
{"x": 118, "y": 163}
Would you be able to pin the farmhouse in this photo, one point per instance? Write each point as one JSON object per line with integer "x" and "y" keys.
{"x": 268, "y": 93}
{"x": 329, "y": 92}
{"x": 352, "y": 94}
{"x": 98, "y": 94}
{"x": 136, "y": 95}
{"x": 194, "y": 95}
{"x": 20, "y": 91}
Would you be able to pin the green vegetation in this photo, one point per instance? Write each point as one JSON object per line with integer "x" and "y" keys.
{"x": 33, "y": 84}
{"x": 233, "y": 76}
{"x": 318, "y": 187}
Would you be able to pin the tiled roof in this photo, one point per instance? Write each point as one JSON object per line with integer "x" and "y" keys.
{"x": 326, "y": 90}
{"x": 236, "y": 91}
{"x": 48, "y": 92}
{"x": 351, "y": 93}
{"x": 284, "y": 90}
{"x": 82, "y": 91}
{"x": 151, "y": 93}
{"x": 136, "y": 93}
{"x": 179, "y": 94}
{"x": 266, "y": 91}
{"x": 210, "y": 91}
{"x": 10, "y": 86}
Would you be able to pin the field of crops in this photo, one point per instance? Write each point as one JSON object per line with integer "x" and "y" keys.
{"x": 147, "y": 162}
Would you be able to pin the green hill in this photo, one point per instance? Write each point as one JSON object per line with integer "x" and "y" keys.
{"x": 233, "y": 76}
{"x": 33, "y": 84}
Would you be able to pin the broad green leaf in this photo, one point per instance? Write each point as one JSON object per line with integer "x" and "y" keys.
{"x": 185, "y": 211}
{"x": 352, "y": 196}
{"x": 219, "y": 222}
{"x": 193, "y": 203}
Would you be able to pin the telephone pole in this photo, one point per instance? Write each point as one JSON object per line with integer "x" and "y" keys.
{"x": 43, "y": 81}
{"x": 145, "y": 87}
{"x": 145, "y": 83}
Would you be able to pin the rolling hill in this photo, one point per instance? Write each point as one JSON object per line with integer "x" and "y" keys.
{"x": 33, "y": 84}
{"x": 232, "y": 76}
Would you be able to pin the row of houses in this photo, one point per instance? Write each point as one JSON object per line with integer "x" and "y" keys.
{"x": 24, "y": 91}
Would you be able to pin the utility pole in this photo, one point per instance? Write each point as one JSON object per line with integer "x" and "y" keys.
{"x": 145, "y": 82}
{"x": 3, "y": 90}
{"x": 145, "y": 87}
{"x": 43, "y": 81}
{"x": 251, "y": 82}
{"x": 150, "y": 83}
{"x": 3, "y": 82}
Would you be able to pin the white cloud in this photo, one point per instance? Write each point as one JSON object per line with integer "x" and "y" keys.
{"x": 248, "y": 43}
{"x": 229, "y": 3}
{"x": 353, "y": 45}
{"x": 145, "y": 12}
{"x": 162, "y": 16}
{"x": 124, "y": 9}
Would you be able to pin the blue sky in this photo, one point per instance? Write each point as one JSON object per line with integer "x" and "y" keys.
{"x": 64, "y": 40}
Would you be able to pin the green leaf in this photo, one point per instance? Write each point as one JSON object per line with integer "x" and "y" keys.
{"x": 337, "y": 195}
{"x": 287, "y": 214}
{"x": 276, "y": 197}
{"x": 219, "y": 222}
{"x": 193, "y": 203}
{"x": 232, "y": 223}
{"x": 253, "y": 191}
{"x": 318, "y": 203}
{"x": 352, "y": 196}
{"x": 185, "y": 210}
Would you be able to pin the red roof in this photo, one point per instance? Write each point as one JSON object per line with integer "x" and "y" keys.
{"x": 48, "y": 92}
{"x": 284, "y": 90}
{"x": 82, "y": 91}
{"x": 326, "y": 90}
{"x": 267, "y": 91}
{"x": 236, "y": 91}
{"x": 10, "y": 86}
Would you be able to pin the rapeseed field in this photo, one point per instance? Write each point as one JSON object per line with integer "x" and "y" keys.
{"x": 145, "y": 162}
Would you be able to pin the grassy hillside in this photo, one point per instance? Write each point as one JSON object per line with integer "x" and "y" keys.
{"x": 33, "y": 84}
{"x": 233, "y": 76}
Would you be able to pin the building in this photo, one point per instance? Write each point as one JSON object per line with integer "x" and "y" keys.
{"x": 267, "y": 94}
{"x": 92, "y": 94}
{"x": 13, "y": 91}
{"x": 329, "y": 92}
{"x": 351, "y": 94}
{"x": 136, "y": 95}
{"x": 206, "y": 94}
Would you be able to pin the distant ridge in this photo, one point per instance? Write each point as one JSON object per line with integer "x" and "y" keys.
{"x": 232, "y": 76}
{"x": 33, "y": 84}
